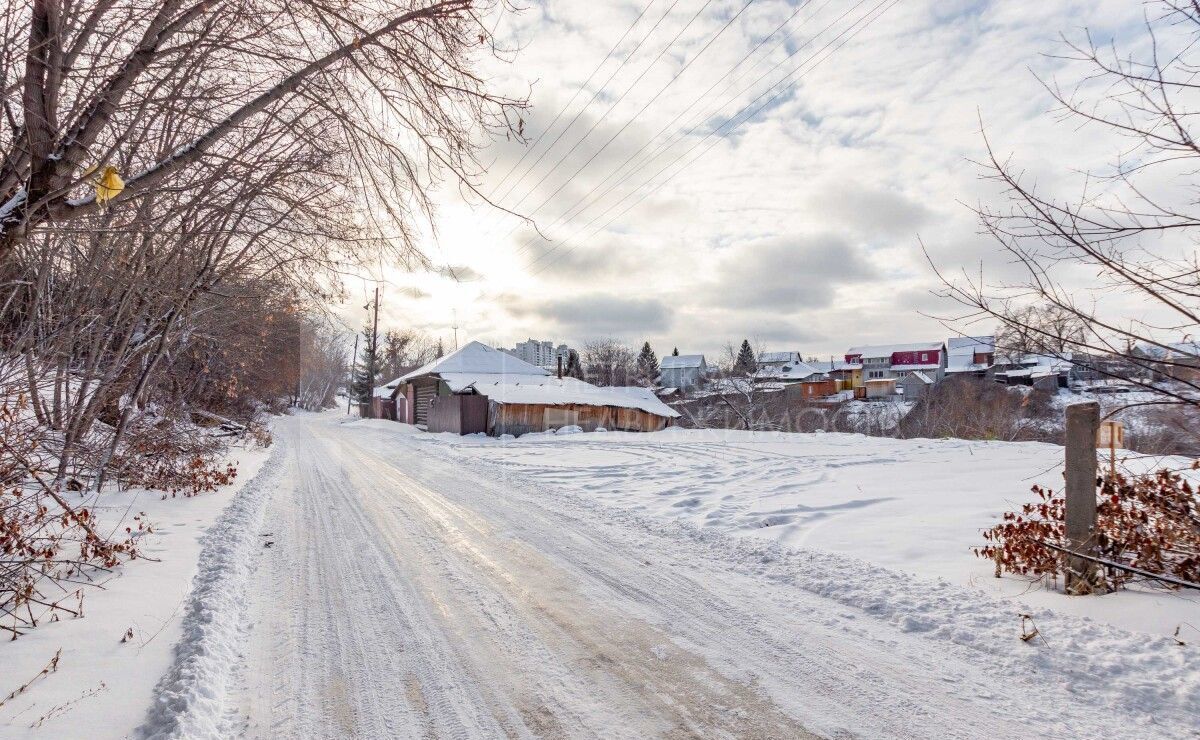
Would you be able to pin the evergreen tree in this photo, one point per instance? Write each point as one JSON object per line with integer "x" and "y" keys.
{"x": 366, "y": 371}
{"x": 675, "y": 352}
{"x": 647, "y": 365}
{"x": 745, "y": 359}
{"x": 574, "y": 367}
{"x": 440, "y": 349}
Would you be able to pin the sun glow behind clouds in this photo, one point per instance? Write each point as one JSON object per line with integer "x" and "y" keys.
{"x": 802, "y": 229}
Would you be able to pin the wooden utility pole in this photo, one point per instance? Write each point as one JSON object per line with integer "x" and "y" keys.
{"x": 350, "y": 385}
{"x": 1083, "y": 421}
{"x": 374, "y": 345}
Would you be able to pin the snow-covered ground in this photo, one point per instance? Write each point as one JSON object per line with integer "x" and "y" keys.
{"x": 104, "y": 683}
{"x": 624, "y": 586}
{"x": 916, "y": 506}
{"x": 694, "y": 583}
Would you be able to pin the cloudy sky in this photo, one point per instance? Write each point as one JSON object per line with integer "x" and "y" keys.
{"x": 794, "y": 220}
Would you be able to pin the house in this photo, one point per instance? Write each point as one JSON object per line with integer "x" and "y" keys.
{"x": 682, "y": 371}
{"x": 915, "y": 385}
{"x": 894, "y": 361}
{"x": 1178, "y": 360}
{"x": 510, "y": 396}
{"x": 420, "y": 386}
{"x": 785, "y": 367}
{"x": 1043, "y": 371}
{"x": 970, "y": 355}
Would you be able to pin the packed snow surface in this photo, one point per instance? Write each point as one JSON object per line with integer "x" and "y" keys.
{"x": 603, "y": 585}
{"x": 375, "y": 581}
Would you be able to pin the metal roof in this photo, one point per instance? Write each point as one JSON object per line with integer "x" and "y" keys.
{"x": 675, "y": 362}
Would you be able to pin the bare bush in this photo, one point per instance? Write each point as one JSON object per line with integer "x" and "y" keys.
{"x": 1149, "y": 522}
{"x": 48, "y": 547}
{"x": 979, "y": 408}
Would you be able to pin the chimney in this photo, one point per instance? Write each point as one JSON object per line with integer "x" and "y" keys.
{"x": 560, "y": 367}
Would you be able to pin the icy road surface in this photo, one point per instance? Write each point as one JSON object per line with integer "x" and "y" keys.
{"x": 400, "y": 590}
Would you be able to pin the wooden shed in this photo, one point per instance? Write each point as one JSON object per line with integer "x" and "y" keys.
{"x": 810, "y": 389}
{"x": 522, "y": 418}
{"x": 520, "y": 398}
{"x": 880, "y": 387}
{"x": 458, "y": 413}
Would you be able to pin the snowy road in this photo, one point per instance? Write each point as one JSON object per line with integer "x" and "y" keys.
{"x": 409, "y": 592}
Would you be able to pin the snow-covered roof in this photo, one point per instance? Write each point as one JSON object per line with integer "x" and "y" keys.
{"x": 1172, "y": 351}
{"x": 675, "y": 362}
{"x": 828, "y": 366}
{"x": 918, "y": 366}
{"x": 921, "y": 377}
{"x": 553, "y": 391}
{"x": 476, "y": 357}
{"x": 961, "y": 351}
{"x": 795, "y": 371}
{"x": 774, "y": 358}
{"x": 887, "y": 350}
{"x": 970, "y": 345}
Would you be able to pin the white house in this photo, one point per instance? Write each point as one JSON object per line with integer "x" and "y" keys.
{"x": 973, "y": 355}
{"x": 682, "y": 371}
{"x": 785, "y": 367}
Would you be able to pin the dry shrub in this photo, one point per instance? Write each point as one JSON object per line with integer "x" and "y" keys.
{"x": 173, "y": 456}
{"x": 47, "y": 546}
{"x": 1150, "y": 521}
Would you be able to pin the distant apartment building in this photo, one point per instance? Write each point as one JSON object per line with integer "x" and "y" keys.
{"x": 540, "y": 352}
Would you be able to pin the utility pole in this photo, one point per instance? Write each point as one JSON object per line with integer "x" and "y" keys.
{"x": 374, "y": 343}
{"x": 350, "y": 385}
{"x": 456, "y": 329}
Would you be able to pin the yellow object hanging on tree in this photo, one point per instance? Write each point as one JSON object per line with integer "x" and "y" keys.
{"x": 109, "y": 185}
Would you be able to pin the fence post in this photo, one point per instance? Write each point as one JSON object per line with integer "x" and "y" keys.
{"x": 1083, "y": 421}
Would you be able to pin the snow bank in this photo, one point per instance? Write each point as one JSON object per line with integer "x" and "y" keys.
{"x": 190, "y": 698}
{"x": 104, "y": 682}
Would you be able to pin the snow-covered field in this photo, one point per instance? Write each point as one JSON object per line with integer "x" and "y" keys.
{"x": 916, "y": 506}
{"x": 694, "y": 583}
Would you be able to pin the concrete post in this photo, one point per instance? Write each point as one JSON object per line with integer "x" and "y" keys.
{"x": 1083, "y": 421}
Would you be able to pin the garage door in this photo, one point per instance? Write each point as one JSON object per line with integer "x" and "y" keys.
{"x": 424, "y": 392}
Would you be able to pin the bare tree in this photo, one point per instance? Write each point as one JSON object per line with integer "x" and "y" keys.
{"x": 99, "y": 78}
{"x": 608, "y": 362}
{"x": 1039, "y": 330}
{"x": 1134, "y": 226}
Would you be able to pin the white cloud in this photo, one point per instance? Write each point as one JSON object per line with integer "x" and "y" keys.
{"x": 803, "y": 228}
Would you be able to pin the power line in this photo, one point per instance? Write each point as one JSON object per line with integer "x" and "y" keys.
{"x": 667, "y": 145}
{"x": 590, "y": 101}
{"x": 579, "y": 90}
{"x": 882, "y": 7}
{"x": 635, "y": 116}
{"x": 615, "y": 103}
{"x": 678, "y": 116}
